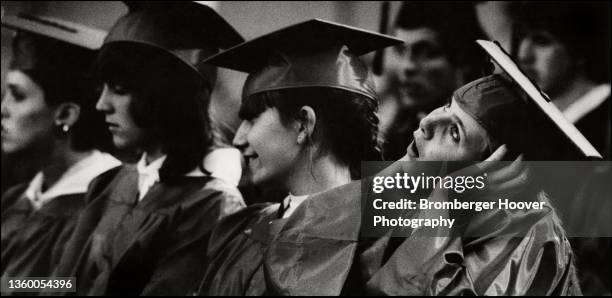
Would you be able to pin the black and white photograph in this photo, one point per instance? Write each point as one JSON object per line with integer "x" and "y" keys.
{"x": 306, "y": 148}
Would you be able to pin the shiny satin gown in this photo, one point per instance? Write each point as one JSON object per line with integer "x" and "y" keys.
{"x": 318, "y": 251}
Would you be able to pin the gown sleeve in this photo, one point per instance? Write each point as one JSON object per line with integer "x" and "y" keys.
{"x": 523, "y": 253}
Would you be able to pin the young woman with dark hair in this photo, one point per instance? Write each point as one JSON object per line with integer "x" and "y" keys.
{"x": 145, "y": 226}
{"x": 309, "y": 120}
{"x": 139, "y": 75}
{"x": 348, "y": 141}
{"x": 49, "y": 119}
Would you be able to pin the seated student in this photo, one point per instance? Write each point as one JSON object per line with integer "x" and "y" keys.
{"x": 505, "y": 252}
{"x": 145, "y": 224}
{"x": 48, "y": 116}
{"x": 309, "y": 119}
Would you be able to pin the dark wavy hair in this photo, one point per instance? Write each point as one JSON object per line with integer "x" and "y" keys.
{"x": 170, "y": 102}
{"x": 64, "y": 73}
{"x": 347, "y": 124}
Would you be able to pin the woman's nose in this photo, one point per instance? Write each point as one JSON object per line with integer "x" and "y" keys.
{"x": 5, "y": 105}
{"x": 525, "y": 52}
{"x": 434, "y": 121}
{"x": 102, "y": 105}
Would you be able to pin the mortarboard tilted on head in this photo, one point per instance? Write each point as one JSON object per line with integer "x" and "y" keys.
{"x": 314, "y": 53}
{"x": 514, "y": 111}
{"x": 55, "y": 53}
{"x": 55, "y": 28}
{"x": 189, "y": 31}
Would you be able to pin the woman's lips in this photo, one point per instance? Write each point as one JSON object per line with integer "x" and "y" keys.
{"x": 112, "y": 126}
{"x": 248, "y": 158}
{"x": 5, "y": 132}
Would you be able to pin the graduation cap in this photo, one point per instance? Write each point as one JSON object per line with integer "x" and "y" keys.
{"x": 189, "y": 31}
{"x": 505, "y": 103}
{"x": 58, "y": 29}
{"x": 55, "y": 53}
{"x": 314, "y": 53}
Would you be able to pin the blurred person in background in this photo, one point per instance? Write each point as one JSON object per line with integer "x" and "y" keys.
{"x": 565, "y": 48}
{"x": 438, "y": 56}
{"x": 49, "y": 116}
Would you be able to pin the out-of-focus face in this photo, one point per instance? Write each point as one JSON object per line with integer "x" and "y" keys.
{"x": 448, "y": 134}
{"x": 423, "y": 71}
{"x": 27, "y": 121}
{"x": 115, "y": 102}
{"x": 546, "y": 60}
{"x": 269, "y": 148}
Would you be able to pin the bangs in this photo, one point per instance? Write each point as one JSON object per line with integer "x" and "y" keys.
{"x": 120, "y": 64}
{"x": 256, "y": 104}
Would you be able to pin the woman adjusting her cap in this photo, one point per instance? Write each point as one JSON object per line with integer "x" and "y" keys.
{"x": 480, "y": 117}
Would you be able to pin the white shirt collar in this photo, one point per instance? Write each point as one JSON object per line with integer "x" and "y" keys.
{"x": 75, "y": 180}
{"x": 291, "y": 203}
{"x": 587, "y": 103}
{"x": 148, "y": 175}
{"x": 224, "y": 164}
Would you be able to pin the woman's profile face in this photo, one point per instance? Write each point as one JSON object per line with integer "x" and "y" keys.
{"x": 27, "y": 120}
{"x": 115, "y": 102}
{"x": 269, "y": 148}
{"x": 448, "y": 134}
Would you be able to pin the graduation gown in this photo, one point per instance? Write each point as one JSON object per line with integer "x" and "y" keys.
{"x": 33, "y": 240}
{"x": 318, "y": 251}
{"x": 236, "y": 251}
{"x": 254, "y": 252}
{"x": 153, "y": 247}
{"x": 37, "y": 222}
{"x": 507, "y": 253}
{"x": 590, "y": 215}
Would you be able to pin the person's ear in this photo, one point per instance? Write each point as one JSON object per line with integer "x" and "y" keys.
{"x": 66, "y": 115}
{"x": 307, "y": 119}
